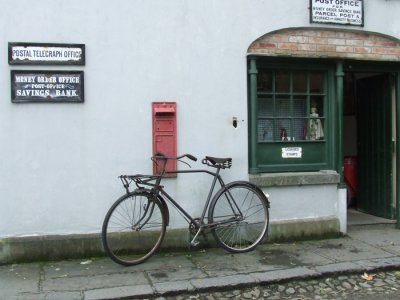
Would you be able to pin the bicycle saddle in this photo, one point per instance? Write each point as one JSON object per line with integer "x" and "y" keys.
{"x": 217, "y": 162}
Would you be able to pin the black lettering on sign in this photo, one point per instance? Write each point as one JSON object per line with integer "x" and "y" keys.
{"x": 46, "y": 54}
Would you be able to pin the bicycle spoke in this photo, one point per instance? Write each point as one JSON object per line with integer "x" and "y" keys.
{"x": 240, "y": 216}
{"x": 133, "y": 229}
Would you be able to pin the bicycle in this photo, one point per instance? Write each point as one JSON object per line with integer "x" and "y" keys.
{"x": 135, "y": 225}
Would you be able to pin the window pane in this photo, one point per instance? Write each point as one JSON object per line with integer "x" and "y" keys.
{"x": 300, "y": 106}
{"x": 265, "y": 107}
{"x": 283, "y": 106}
{"x": 265, "y": 130}
{"x": 282, "y": 82}
{"x": 299, "y": 82}
{"x": 299, "y": 129}
{"x": 282, "y": 130}
{"x": 264, "y": 81}
{"x": 317, "y": 106}
{"x": 316, "y": 82}
{"x": 291, "y": 105}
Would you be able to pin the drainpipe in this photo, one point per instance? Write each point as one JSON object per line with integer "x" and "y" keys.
{"x": 342, "y": 203}
{"x": 253, "y": 116}
{"x": 339, "y": 100}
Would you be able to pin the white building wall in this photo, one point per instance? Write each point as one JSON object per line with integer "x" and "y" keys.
{"x": 60, "y": 162}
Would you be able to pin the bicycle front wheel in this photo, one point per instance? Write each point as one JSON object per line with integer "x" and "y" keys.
{"x": 240, "y": 217}
{"x": 133, "y": 228}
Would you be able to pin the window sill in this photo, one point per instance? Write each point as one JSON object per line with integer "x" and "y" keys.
{"x": 295, "y": 178}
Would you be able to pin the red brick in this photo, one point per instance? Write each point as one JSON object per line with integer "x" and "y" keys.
{"x": 383, "y": 50}
{"x": 307, "y": 47}
{"x": 317, "y": 40}
{"x": 386, "y": 43}
{"x": 345, "y": 49}
{"x": 327, "y": 43}
{"x": 267, "y": 45}
{"x": 290, "y": 46}
{"x": 326, "y": 48}
{"x": 336, "y": 41}
{"x": 298, "y": 39}
{"x": 362, "y": 50}
{"x": 280, "y": 38}
{"x": 354, "y": 42}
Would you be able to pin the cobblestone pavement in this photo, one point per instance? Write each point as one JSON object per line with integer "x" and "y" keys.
{"x": 380, "y": 285}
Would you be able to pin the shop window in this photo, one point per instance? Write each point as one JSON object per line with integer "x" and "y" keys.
{"x": 292, "y": 121}
{"x": 290, "y": 106}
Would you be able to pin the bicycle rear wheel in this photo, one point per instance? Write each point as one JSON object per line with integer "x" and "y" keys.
{"x": 241, "y": 217}
{"x": 133, "y": 228}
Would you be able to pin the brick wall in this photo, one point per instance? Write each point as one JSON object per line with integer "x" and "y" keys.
{"x": 315, "y": 42}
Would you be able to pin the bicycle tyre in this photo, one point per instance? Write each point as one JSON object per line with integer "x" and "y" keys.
{"x": 237, "y": 233}
{"x": 133, "y": 228}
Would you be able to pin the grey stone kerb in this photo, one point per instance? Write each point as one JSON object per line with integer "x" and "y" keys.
{"x": 295, "y": 178}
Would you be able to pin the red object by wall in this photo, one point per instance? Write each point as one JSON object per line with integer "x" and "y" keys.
{"x": 164, "y": 133}
{"x": 350, "y": 173}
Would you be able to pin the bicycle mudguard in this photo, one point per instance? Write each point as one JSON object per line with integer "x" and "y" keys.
{"x": 160, "y": 199}
{"x": 256, "y": 187}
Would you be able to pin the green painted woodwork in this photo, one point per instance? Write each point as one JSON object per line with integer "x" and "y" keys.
{"x": 253, "y": 116}
{"x": 281, "y": 102}
{"x": 339, "y": 103}
{"x": 397, "y": 136}
{"x": 375, "y": 146}
{"x": 376, "y": 149}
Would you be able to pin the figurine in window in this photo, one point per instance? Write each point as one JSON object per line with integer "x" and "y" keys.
{"x": 283, "y": 134}
{"x": 267, "y": 135}
{"x": 316, "y": 130}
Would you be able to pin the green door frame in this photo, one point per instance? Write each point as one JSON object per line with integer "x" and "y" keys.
{"x": 397, "y": 88}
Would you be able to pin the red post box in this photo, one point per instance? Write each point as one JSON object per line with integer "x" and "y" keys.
{"x": 164, "y": 133}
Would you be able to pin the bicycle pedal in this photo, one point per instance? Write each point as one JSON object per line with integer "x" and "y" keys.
{"x": 194, "y": 243}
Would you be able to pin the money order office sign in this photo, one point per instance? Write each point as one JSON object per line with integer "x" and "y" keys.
{"x": 47, "y": 86}
{"x": 345, "y": 12}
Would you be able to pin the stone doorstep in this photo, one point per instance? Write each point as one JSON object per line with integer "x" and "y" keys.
{"x": 56, "y": 247}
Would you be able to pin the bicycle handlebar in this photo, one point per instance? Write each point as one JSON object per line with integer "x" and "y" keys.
{"x": 160, "y": 155}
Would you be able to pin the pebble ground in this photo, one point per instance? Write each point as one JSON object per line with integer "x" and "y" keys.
{"x": 380, "y": 285}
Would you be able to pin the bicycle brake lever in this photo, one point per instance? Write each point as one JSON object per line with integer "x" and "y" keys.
{"x": 182, "y": 161}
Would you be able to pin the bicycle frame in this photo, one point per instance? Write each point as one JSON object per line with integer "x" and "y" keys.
{"x": 206, "y": 204}
{"x": 235, "y": 213}
{"x": 158, "y": 191}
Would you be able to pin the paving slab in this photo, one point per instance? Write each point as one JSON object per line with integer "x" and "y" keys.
{"x": 119, "y": 292}
{"x": 292, "y": 255}
{"x": 181, "y": 286}
{"x": 377, "y": 235}
{"x": 347, "y": 249}
{"x": 364, "y": 249}
{"x": 80, "y": 283}
{"x": 20, "y": 279}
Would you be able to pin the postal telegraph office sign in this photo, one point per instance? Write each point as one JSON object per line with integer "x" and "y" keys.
{"x": 47, "y": 86}
{"x": 46, "y": 54}
{"x": 345, "y": 12}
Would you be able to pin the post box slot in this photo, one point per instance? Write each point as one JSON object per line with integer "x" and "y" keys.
{"x": 164, "y": 110}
